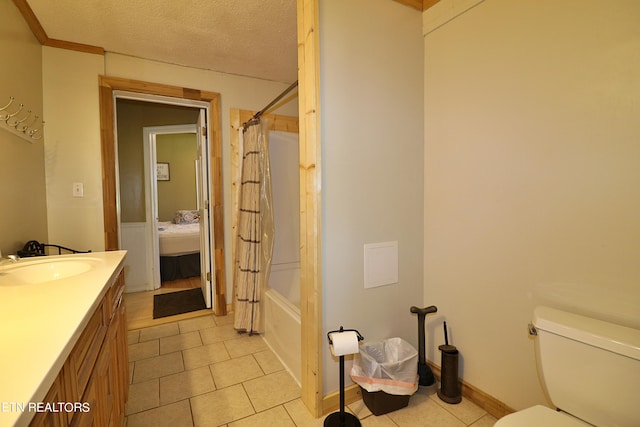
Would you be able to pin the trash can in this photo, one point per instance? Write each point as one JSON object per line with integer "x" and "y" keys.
{"x": 387, "y": 373}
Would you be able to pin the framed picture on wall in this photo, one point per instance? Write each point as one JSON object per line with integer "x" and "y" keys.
{"x": 162, "y": 171}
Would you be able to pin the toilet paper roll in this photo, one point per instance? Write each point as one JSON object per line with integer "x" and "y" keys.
{"x": 344, "y": 343}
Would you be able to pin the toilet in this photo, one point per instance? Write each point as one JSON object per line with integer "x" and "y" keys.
{"x": 590, "y": 370}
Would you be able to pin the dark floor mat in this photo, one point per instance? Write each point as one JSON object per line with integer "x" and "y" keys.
{"x": 173, "y": 303}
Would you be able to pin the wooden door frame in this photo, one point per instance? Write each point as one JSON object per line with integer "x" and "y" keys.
{"x": 107, "y": 85}
{"x": 310, "y": 205}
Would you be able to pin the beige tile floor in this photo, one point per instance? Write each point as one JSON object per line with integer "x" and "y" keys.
{"x": 200, "y": 372}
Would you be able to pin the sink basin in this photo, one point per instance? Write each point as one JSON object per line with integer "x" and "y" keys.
{"x": 45, "y": 270}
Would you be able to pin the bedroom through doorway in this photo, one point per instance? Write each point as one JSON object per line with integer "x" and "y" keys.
{"x": 163, "y": 176}
{"x": 173, "y": 200}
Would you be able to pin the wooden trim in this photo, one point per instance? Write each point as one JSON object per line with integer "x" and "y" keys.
{"x": 217, "y": 204}
{"x": 331, "y": 402}
{"x": 38, "y": 31}
{"x": 276, "y": 122}
{"x": 420, "y": 5}
{"x": 235, "y": 156}
{"x": 107, "y": 147}
{"x": 310, "y": 204}
{"x": 426, "y": 4}
{"x": 107, "y": 114}
{"x": 31, "y": 20}
{"x": 79, "y": 47}
{"x": 416, "y": 4}
{"x": 487, "y": 402}
{"x": 237, "y": 119}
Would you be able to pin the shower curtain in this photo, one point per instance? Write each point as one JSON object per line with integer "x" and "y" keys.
{"x": 254, "y": 247}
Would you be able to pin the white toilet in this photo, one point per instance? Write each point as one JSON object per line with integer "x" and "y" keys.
{"x": 590, "y": 369}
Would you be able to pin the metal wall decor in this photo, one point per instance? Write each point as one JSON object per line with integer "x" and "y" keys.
{"x": 23, "y": 123}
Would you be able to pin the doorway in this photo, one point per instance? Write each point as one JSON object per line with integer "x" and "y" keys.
{"x": 175, "y": 194}
{"x": 208, "y": 104}
{"x": 164, "y": 220}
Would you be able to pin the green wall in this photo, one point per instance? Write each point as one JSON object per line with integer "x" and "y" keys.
{"x": 179, "y": 150}
{"x": 132, "y": 117}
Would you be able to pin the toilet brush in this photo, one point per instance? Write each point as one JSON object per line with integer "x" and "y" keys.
{"x": 449, "y": 385}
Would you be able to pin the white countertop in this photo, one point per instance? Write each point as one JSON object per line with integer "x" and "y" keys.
{"x": 40, "y": 324}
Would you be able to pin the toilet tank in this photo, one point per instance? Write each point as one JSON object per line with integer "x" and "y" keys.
{"x": 590, "y": 368}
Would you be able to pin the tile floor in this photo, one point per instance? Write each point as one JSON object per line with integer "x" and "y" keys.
{"x": 200, "y": 372}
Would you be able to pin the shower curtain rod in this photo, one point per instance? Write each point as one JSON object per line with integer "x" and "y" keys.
{"x": 256, "y": 117}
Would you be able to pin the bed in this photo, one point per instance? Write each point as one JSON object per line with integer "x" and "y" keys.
{"x": 179, "y": 244}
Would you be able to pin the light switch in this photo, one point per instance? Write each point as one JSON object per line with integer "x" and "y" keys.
{"x": 380, "y": 264}
{"x": 78, "y": 189}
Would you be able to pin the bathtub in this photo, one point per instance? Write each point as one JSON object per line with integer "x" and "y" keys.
{"x": 282, "y": 316}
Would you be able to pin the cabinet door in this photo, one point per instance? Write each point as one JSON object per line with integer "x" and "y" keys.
{"x": 117, "y": 371}
{"x": 52, "y": 419}
{"x": 85, "y": 353}
{"x": 123, "y": 356}
{"x": 104, "y": 376}
{"x": 89, "y": 418}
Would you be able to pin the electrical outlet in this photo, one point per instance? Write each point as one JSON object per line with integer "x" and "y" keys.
{"x": 78, "y": 189}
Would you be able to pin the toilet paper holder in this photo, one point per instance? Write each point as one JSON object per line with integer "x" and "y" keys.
{"x": 360, "y": 337}
{"x": 342, "y": 418}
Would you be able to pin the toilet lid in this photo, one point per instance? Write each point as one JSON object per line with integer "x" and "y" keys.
{"x": 537, "y": 416}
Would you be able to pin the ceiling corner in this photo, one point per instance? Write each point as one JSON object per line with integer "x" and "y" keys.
{"x": 426, "y": 4}
{"x": 420, "y": 5}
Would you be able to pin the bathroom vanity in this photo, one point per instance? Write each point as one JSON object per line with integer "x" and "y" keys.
{"x": 64, "y": 341}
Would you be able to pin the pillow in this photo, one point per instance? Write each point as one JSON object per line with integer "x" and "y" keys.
{"x": 186, "y": 217}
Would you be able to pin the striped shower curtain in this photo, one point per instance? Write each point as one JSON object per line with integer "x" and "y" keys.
{"x": 254, "y": 247}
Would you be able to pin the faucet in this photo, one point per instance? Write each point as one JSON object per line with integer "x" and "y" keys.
{"x": 10, "y": 258}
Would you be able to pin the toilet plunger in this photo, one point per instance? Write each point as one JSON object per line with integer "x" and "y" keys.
{"x": 425, "y": 374}
{"x": 449, "y": 385}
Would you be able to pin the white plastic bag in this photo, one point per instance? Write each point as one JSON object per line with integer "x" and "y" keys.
{"x": 390, "y": 365}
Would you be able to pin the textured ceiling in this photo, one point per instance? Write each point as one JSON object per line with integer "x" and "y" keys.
{"x": 255, "y": 38}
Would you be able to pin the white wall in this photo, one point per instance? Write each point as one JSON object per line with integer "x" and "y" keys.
{"x": 72, "y": 147}
{"x": 23, "y": 210}
{"x": 371, "y": 79}
{"x": 73, "y": 130}
{"x": 531, "y": 176}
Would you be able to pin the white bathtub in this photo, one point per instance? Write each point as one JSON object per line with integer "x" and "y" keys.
{"x": 282, "y": 316}
{"x": 285, "y": 278}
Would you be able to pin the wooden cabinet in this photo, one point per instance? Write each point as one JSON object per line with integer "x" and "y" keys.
{"x": 93, "y": 385}
{"x": 85, "y": 354}
{"x": 52, "y": 418}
